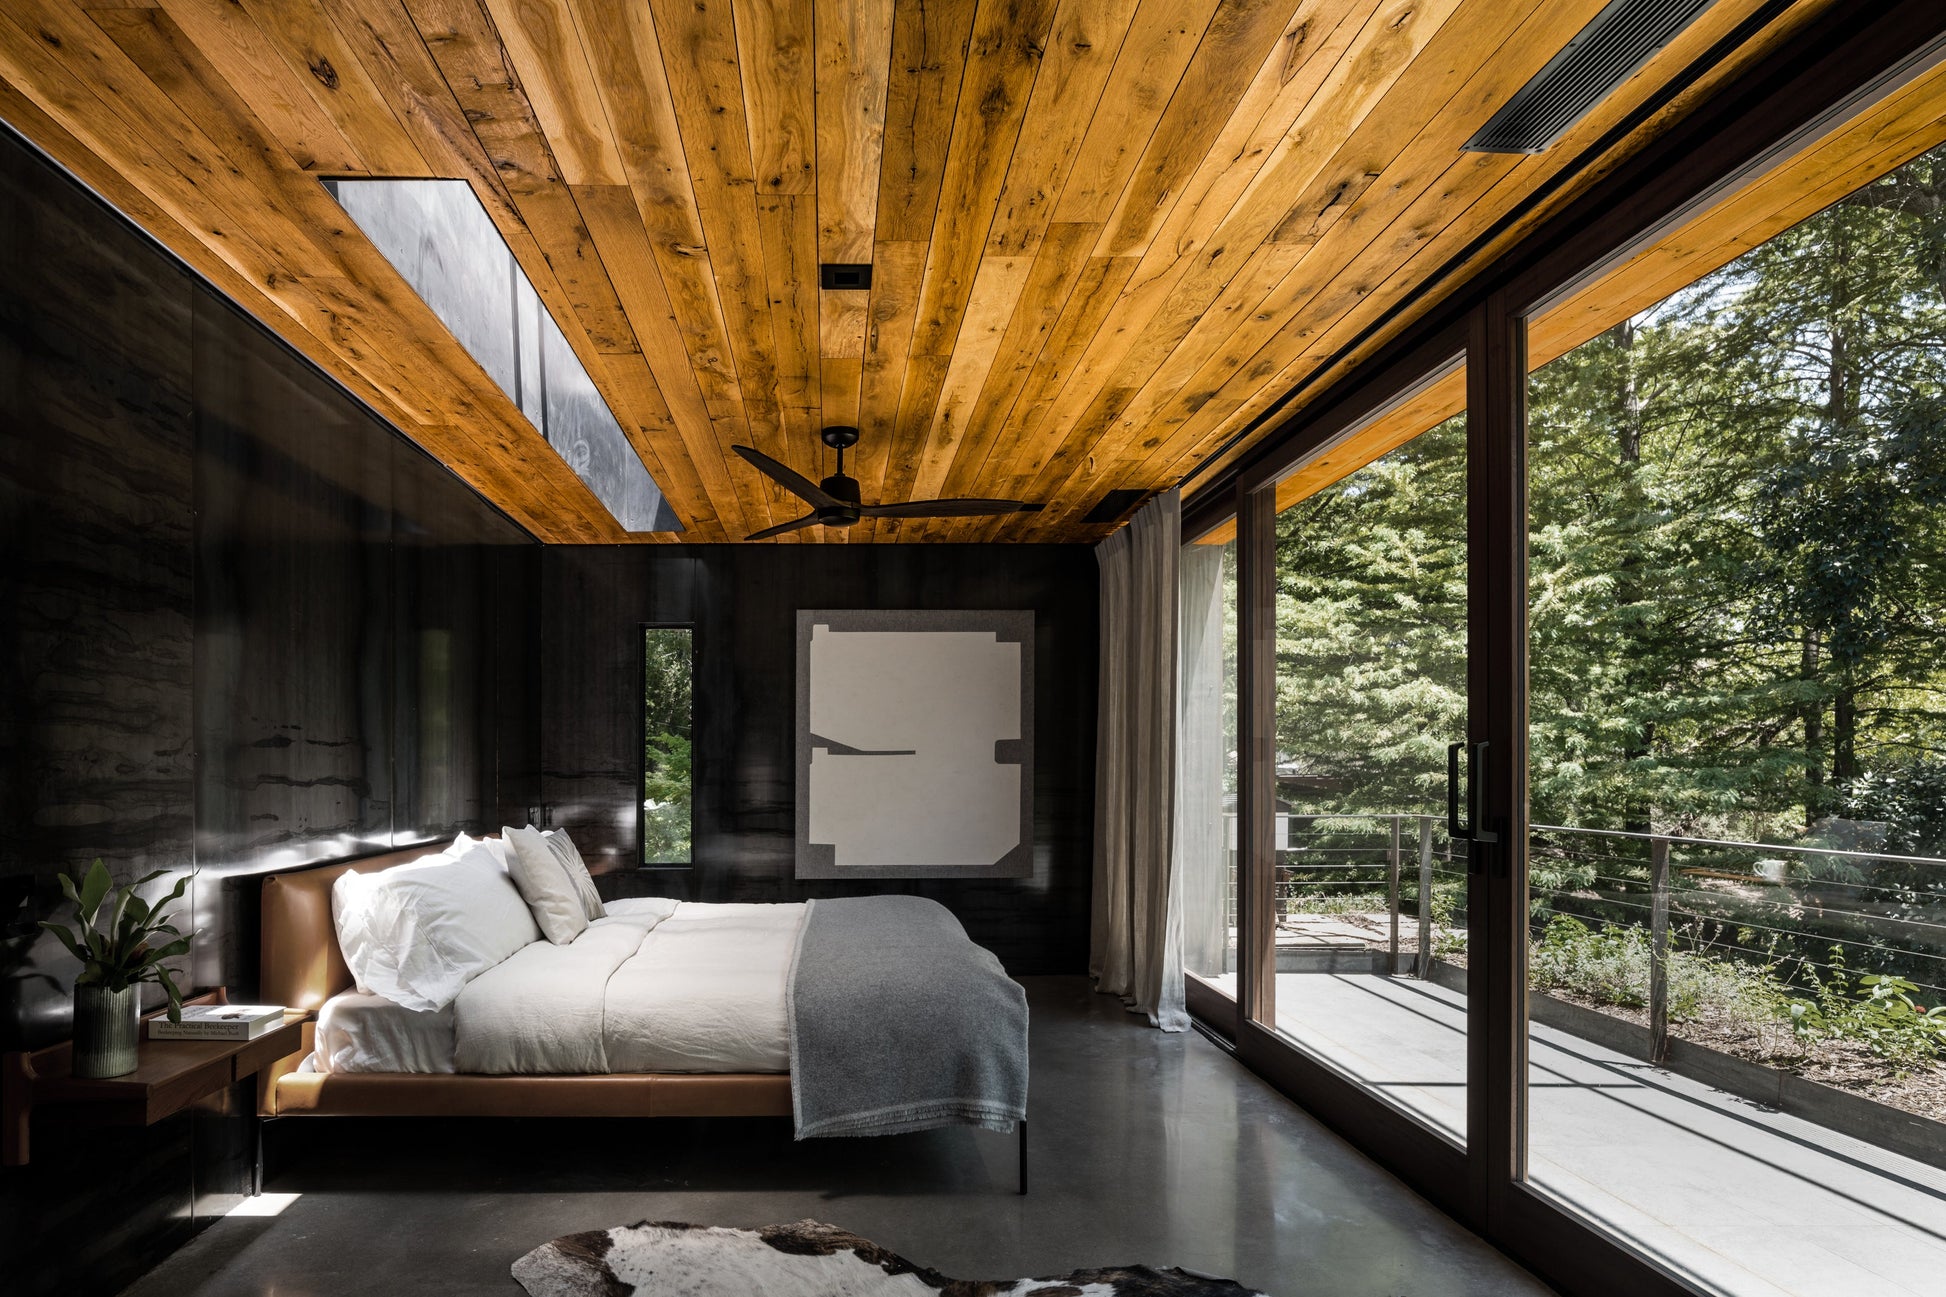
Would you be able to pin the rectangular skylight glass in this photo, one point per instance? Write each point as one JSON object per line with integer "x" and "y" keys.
{"x": 436, "y": 234}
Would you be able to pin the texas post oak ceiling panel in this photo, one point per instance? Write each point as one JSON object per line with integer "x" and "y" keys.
{"x": 1104, "y": 235}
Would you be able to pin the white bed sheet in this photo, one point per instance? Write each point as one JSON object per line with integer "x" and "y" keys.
{"x": 706, "y": 992}
{"x": 358, "y": 1032}
{"x": 655, "y": 986}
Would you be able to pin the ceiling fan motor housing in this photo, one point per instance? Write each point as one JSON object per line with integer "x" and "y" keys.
{"x": 843, "y": 489}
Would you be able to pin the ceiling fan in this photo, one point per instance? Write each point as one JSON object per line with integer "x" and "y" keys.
{"x": 835, "y": 503}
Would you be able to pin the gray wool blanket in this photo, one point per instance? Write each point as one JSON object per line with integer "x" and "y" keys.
{"x": 899, "y": 1022}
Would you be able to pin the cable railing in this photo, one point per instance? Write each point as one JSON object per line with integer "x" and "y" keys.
{"x": 1760, "y": 903}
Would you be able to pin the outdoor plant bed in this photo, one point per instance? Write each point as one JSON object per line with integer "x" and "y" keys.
{"x": 1848, "y": 1065}
{"x": 1900, "y": 1114}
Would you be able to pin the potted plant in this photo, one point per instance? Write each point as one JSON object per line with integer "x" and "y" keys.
{"x": 117, "y": 955}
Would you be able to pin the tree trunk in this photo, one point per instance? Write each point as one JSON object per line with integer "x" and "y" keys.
{"x": 1813, "y": 733}
{"x": 1844, "y": 735}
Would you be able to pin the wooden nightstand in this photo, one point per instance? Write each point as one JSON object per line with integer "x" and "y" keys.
{"x": 169, "y": 1076}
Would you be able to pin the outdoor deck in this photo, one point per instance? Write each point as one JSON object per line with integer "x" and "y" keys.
{"x": 1733, "y": 1196}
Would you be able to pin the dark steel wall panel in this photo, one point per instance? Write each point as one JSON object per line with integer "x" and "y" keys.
{"x": 743, "y": 601}
{"x": 243, "y": 624}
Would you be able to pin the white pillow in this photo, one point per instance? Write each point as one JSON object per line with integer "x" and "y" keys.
{"x": 463, "y": 844}
{"x": 544, "y": 881}
{"x": 417, "y": 934}
{"x": 570, "y": 858}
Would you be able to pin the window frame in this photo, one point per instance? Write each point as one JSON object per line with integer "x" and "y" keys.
{"x": 1835, "y": 67}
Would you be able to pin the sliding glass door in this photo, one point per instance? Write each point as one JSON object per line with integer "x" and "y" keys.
{"x": 1590, "y": 718}
{"x": 1367, "y": 926}
{"x": 1736, "y": 881}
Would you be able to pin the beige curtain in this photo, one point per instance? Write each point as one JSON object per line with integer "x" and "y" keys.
{"x": 1136, "y": 948}
{"x": 1202, "y": 847}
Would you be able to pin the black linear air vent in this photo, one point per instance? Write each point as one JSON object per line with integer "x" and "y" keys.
{"x": 845, "y": 274}
{"x": 1605, "y": 53}
{"x": 1113, "y": 505}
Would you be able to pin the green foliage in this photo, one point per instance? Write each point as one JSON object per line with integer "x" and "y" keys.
{"x": 1737, "y": 561}
{"x": 1371, "y": 629}
{"x": 1909, "y": 799}
{"x": 665, "y": 805}
{"x": 1886, "y": 1018}
{"x": 1611, "y": 966}
{"x": 667, "y": 782}
{"x": 114, "y": 933}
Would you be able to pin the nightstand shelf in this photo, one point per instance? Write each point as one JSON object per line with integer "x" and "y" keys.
{"x": 169, "y": 1076}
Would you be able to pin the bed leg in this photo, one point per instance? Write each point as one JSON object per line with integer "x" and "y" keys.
{"x": 1022, "y": 1128}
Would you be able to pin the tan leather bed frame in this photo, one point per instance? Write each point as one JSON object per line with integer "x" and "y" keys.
{"x": 302, "y": 968}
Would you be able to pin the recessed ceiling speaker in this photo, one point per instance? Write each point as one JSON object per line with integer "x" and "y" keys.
{"x": 1612, "y": 48}
{"x": 845, "y": 274}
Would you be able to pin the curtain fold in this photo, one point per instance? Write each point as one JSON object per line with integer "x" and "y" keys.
{"x": 1136, "y": 946}
{"x": 1202, "y": 848}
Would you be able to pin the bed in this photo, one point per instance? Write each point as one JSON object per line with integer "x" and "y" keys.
{"x": 657, "y": 1009}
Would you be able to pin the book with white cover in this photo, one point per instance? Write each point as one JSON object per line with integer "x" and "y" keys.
{"x": 218, "y": 1022}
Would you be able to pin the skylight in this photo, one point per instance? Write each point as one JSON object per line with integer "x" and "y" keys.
{"x": 436, "y": 234}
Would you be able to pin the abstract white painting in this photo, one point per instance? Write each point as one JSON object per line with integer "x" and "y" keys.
{"x": 914, "y": 744}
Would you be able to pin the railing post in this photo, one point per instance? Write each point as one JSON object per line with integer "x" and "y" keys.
{"x": 1658, "y": 949}
{"x": 1425, "y": 897}
{"x": 1392, "y": 897}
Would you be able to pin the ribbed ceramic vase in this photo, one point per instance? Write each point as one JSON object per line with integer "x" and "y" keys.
{"x": 107, "y": 1027}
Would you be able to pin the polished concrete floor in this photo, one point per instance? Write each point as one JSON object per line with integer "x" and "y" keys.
{"x": 1737, "y": 1198}
{"x": 1146, "y": 1147}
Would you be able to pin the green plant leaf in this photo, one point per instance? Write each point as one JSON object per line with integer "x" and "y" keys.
{"x": 60, "y": 930}
{"x": 161, "y": 953}
{"x": 93, "y": 888}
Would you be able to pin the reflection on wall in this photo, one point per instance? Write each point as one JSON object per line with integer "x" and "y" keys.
{"x": 242, "y": 623}
{"x": 436, "y": 234}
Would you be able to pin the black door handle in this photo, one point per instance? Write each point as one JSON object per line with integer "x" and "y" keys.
{"x": 1475, "y": 796}
{"x": 1454, "y": 829}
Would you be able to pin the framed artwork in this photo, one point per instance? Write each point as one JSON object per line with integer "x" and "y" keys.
{"x": 915, "y": 744}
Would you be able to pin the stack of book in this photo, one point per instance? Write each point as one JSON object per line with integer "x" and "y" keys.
{"x": 218, "y": 1022}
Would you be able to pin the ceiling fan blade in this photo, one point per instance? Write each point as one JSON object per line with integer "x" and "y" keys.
{"x": 783, "y": 527}
{"x": 787, "y": 477}
{"x": 967, "y": 508}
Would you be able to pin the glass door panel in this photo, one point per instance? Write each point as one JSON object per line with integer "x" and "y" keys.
{"x": 1370, "y": 891}
{"x": 1206, "y": 760}
{"x": 1737, "y": 865}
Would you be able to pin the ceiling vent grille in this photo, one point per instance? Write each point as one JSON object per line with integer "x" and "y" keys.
{"x": 1605, "y": 53}
{"x": 1113, "y": 505}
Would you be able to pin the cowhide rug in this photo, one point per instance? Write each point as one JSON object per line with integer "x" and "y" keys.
{"x": 807, "y": 1259}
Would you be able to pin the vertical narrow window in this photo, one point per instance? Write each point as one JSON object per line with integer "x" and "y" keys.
{"x": 668, "y": 672}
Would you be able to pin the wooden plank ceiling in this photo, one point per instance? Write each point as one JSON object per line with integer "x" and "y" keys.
{"x": 1881, "y": 137}
{"x": 1106, "y": 234}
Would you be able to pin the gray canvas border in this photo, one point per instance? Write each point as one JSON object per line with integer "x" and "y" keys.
{"x": 1010, "y": 626}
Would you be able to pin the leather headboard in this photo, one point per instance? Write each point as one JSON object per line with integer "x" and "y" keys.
{"x": 302, "y": 966}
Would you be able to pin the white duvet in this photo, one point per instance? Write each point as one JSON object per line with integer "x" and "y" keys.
{"x": 656, "y": 986}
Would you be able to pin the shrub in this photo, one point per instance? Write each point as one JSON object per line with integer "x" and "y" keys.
{"x": 1886, "y": 1019}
